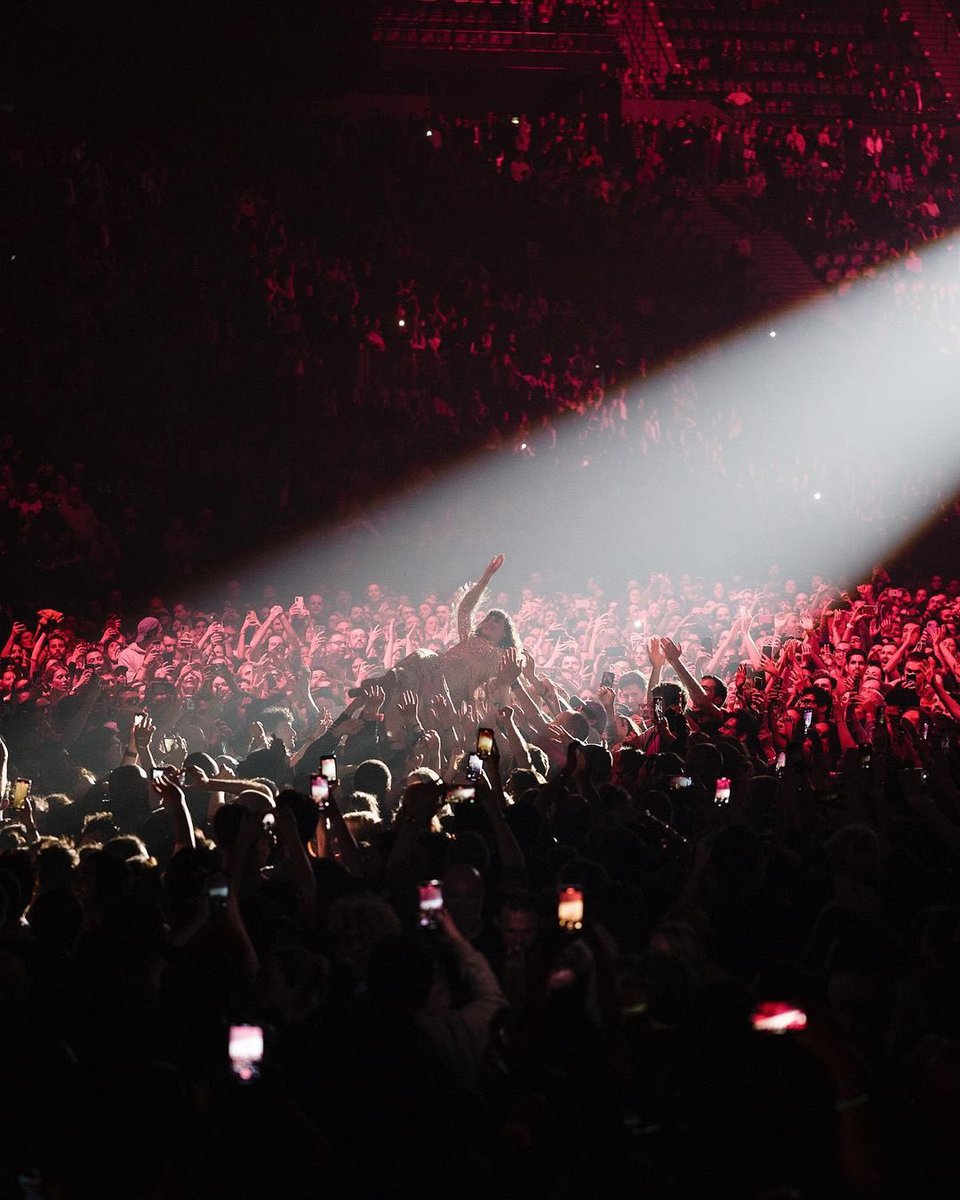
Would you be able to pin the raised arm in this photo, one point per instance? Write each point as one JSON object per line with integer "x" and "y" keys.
{"x": 658, "y": 661}
{"x": 36, "y": 657}
{"x": 948, "y": 701}
{"x": 471, "y": 599}
{"x": 17, "y": 628}
{"x": 261, "y": 633}
{"x": 250, "y": 621}
{"x": 698, "y": 696}
{"x": 175, "y": 803}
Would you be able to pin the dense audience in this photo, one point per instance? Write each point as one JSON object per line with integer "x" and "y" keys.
{"x": 365, "y": 280}
{"x": 753, "y": 786}
{"x": 384, "y": 892}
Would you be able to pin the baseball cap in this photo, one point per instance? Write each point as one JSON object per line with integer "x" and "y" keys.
{"x": 148, "y": 627}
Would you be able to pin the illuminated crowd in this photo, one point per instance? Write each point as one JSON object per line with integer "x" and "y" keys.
{"x": 394, "y": 301}
{"x": 378, "y": 889}
{"x": 753, "y": 785}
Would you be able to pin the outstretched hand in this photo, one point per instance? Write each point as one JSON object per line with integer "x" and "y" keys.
{"x": 511, "y": 667}
{"x": 168, "y": 789}
{"x": 493, "y": 566}
{"x": 143, "y": 736}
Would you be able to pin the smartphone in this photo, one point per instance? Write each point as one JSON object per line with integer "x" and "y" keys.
{"x": 431, "y": 900}
{"x": 218, "y": 892}
{"x": 461, "y": 794}
{"x": 658, "y": 708}
{"x": 680, "y": 781}
{"x": 484, "y": 742}
{"x": 245, "y": 1047}
{"x": 298, "y": 601}
{"x": 866, "y": 752}
{"x": 21, "y": 790}
{"x": 606, "y": 679}
{"x": 328, "y": 768}
{"x": 139, "y": 720}
{"x": 319, "y": 790}
{"x": 775, "y": 1016}
{"x": 168, "y": 743}
{"x": 570, "y": 908}
{"x": 807, "y": 719}
{"x": 722, "y": 794}
{"x": 474, "y": 766}
{"x": 781, "y": 764}
{"x": 915, "y": 775}
{"x": 158, "y": 775}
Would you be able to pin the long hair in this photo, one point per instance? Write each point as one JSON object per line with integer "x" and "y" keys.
{"x": 511, "y": 639}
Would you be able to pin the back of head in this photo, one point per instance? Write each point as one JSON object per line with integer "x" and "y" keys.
{"x": 401, "y": 974}
{"x": 705, "y": 760}
{"x": 575, "y": 724}
{"x": 129, "y": 796}
{"x": 672, "y": 695}
{"x": 271, "y": 764}
{"x": 226, "y": 825}
{"x": 206, "y": 762}
{"x": 599, "y": 763}
{"x": 373, "y": 776}
{"x": 596, "y": 715}
{"x": 358, "y": 924}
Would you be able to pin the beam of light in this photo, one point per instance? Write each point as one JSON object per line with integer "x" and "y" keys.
{"x": 821, "y": 449}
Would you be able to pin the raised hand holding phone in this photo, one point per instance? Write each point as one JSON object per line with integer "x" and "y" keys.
{"x": 431, "y": 903}
{"x": 319, "y": 790}
{"x": 570, "y": 909}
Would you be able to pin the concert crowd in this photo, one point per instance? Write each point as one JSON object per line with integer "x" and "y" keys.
{"x": 569, "y": 888}
{"x": 753, "y": 787}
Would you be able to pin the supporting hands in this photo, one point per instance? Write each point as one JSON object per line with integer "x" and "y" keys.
{"x": 374, "y": 696}
{"x": 442, "y": 712}
{"x": 409, "y": 705}
{"x": 364, "y": 672}
{"x": 511, "y": 668}
{"x": 140, "y": 738}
